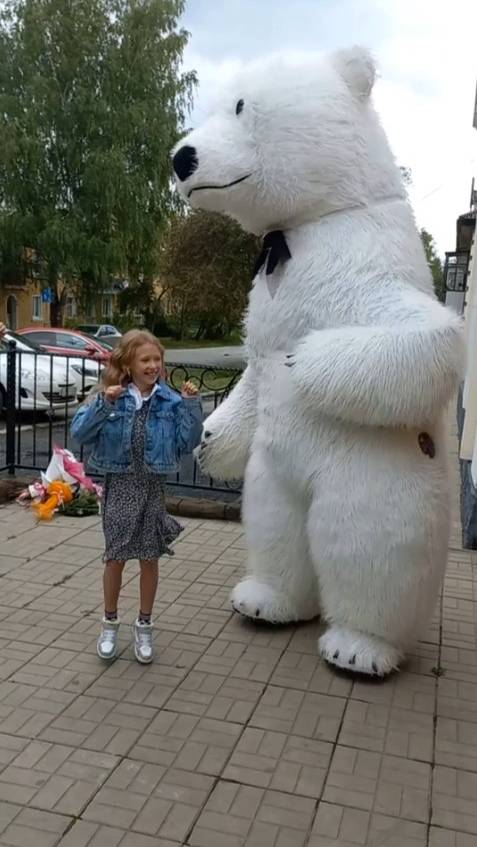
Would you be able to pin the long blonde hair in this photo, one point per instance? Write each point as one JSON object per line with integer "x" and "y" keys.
{"x": 117, "y": 371}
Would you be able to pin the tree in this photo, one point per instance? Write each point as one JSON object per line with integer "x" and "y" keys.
{"x": 435, "y": 264}
{"x": 146, "y": 299}
{"x": 206, "y": 270}
{"x": 429, "y": 245}
{"x": 91, "y": 102}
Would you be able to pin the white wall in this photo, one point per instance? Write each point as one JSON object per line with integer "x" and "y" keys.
{"x": 468, "y": 447}
{"x": 455, "y": 301}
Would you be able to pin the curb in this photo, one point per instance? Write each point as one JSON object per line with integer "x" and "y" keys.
{"x": 184, "y": 507}
{"x": 11, "y": 488}
{"x": 192, "y": 507}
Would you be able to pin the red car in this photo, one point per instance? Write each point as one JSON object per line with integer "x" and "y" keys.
{"x": 67, "y": 342}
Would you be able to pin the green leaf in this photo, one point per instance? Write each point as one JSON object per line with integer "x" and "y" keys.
{"x": 92, "y": 99}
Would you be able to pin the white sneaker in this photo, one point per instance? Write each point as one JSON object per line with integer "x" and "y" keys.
{"x": 143, "y": 648}
{"x": 108, "y": 639}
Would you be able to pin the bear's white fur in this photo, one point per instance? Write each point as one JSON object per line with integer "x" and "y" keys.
{"x": 344, "y": 514}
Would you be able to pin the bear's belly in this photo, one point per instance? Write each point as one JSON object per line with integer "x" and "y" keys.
{"x": 279, "y": 323}
{"x": 297, "y": 439}
{"x": 309, "y": 448}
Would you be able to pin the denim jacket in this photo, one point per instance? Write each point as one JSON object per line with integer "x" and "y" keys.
{"x": 173, "y": 427}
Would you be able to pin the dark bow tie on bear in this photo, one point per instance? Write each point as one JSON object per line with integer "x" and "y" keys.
{"x": 274, "y": 251}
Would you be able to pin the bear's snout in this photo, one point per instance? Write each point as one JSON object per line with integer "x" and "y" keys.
{"x": 185, "y": 162}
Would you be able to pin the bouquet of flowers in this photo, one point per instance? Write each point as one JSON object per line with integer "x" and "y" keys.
{"x": 64, "y": 487}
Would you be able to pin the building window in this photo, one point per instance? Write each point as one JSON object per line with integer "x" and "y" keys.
{"x": 70, "y": 307}
{"x": 12, "y": 312}
{"x": 107, "y": 309}
{"x": 37, "y": 312}
{"x": 455, "y": 271}
{"x": 455, "y": 279}
{"x": 89, "y": 310}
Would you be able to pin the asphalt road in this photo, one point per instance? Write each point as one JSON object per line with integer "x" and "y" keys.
{"x": 222, "y": 357}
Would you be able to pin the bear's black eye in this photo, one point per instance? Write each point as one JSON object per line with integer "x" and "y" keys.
{"x": 239, "y": 107}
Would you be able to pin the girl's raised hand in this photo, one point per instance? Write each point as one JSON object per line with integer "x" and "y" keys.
{"x": 188, "y": 389}
{"x": 113, "y": 392}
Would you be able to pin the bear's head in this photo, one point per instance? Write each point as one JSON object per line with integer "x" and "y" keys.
{"x": 291, "y": 140}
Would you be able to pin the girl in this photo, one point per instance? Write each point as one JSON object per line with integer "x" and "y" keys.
{"x": 137, "y": 429}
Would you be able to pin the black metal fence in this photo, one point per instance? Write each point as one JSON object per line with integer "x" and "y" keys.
{"x": 40, "y": 392}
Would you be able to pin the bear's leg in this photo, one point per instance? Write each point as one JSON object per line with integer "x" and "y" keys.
{"x": 280, "y": 586}
{"x": 379, "y": 571}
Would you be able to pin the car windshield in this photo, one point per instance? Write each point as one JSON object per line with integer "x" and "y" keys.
{"x": 103, "y": 342}
{"x": 22, "y": 343}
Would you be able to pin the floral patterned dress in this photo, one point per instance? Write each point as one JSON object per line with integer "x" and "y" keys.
{"x": 135, "y": 522}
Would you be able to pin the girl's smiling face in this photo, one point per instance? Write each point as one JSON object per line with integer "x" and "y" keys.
{"x": 147, "y": 366}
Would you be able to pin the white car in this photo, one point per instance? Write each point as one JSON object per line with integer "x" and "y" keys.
{"x": 85, "y": 373}
{"x": 41, "y": 381}
{"x": 100, "y": 330}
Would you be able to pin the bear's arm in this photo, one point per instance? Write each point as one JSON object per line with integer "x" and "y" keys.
{"x": 229, "y": 430}
{"x": 400, "y": 372}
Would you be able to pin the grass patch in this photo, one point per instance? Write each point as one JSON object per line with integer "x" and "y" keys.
{"x": 438, "y": 670}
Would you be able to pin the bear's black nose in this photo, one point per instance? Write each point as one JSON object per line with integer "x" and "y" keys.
{"x": 185, "y": 162}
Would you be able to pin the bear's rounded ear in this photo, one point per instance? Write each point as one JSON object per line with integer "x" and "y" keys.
{"x": 356, "y": 66}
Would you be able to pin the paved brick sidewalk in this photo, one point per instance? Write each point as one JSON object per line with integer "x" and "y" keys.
{"x": 237, "y": 736}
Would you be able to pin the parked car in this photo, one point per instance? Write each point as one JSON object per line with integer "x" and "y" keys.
{"x": 110, "y": 342}
{"x": 101, "y": 331}
{"x": 42, "y": 382}
{"x": 85, "y": 369}
{"x": 68, "y": 342}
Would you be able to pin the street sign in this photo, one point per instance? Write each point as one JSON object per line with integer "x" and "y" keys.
{"x": 47, "y": 296}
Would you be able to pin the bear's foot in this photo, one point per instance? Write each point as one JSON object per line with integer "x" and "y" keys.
{"x": 260, "y": 602}
{"x": 358, "y": 652}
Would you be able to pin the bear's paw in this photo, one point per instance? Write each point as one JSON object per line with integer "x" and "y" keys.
{"x": 358, "y": 653}
{"x": 260, "y": 602}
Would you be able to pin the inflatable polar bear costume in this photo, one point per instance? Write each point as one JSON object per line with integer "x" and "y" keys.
{"x": 343, "y": 452}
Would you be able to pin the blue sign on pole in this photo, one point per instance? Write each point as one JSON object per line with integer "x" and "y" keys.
{"x": 47, "y": 295}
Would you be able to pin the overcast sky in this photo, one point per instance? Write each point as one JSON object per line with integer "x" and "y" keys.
{"x": 427, "y": 56}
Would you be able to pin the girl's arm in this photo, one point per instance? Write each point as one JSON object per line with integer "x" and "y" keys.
{"x": 89, "y": 419}
{"x": 188, "y": 423}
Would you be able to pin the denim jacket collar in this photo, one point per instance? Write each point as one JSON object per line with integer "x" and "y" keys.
{"x": 139, "y": 398}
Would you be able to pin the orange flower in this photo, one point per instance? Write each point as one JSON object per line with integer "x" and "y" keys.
{"x": 60, "y": 492}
